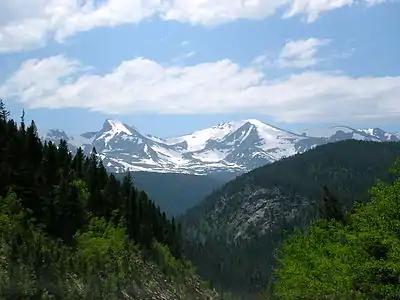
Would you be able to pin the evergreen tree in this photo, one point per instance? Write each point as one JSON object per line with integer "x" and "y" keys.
{"x": 23, "y": 120}
{"x": 331, "y": 207}
{"x": 77, "y": 163}
{"x": 4, "y": 113}
{"x": 111, "y": 195}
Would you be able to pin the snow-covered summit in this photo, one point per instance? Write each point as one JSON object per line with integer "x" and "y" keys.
{"x": 115, "y": 127}
{"x": 198, "y": 139}
{"x": 380, "y": 134}
{"x": 237, "y": 146}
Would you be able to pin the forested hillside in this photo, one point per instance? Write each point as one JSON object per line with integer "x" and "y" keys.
{"x": 345, "y": 256}
{"x": 232, "y": 236}
{"x": 71, "y": 231}
{"x": 175, "y": 193}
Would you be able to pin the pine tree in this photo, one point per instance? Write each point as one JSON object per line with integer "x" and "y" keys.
{"x": 64, "y": 157}
{"x": 331, "y": 207}
{"x": 111, "y": 195}
{"x": 4, "y": 113}
{"x": 23, "y": 120}
{"x": 77, "y": 163}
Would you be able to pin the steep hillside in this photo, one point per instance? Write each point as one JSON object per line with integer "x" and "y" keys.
{"x": 175, "y": 193}
{"x": 231, "y": 236}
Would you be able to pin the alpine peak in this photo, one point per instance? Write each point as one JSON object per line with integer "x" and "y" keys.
{"x": 115, "y": 126}
{"x": 236, "y": 146}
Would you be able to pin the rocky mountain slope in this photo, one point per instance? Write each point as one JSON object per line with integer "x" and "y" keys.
{"x": 244, "y": 221}
{"x": 238, "y": 146}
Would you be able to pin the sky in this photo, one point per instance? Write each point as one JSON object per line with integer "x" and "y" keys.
{"x": 170, "y": 67}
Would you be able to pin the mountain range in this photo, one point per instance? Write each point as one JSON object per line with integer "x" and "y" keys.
{"x": 237, "y": 146}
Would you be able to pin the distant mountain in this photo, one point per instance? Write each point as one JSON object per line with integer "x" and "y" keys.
{"x": 175, "y": 193}
{"x": 340, "y": 133}
{"x": 237, "y": 147}
{"x": 232, "y": 235}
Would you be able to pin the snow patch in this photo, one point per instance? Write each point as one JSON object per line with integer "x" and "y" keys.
{"x": 210, "y": 155}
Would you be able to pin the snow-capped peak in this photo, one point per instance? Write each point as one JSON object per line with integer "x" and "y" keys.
{"x": 240, "y": 123}
{"x": 265, "y": 126}
{"x": 380, "y": 134}
{"x": 112, "y": 128}
{"x": 255, "y": 122}
{"x": 239, "y": 145}
{"x": 116, "y": 126}
{"x": 198, "y": 139}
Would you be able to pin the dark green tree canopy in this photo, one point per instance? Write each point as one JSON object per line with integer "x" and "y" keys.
{"x": 69, "y": 230}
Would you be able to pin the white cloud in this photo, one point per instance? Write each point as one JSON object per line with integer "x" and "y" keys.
{"x": 263, "y": 61}
{"x": 301, "y": 53}
{"x": 141, "y": 85}
{"x": 294, "y": 54}
{"x": 190, "y": 54}
{"x": 17, "y": 37}
{"x": 215, "y": 12}
{"x": 28, "y": 24}
{"x": 110, "y": 14}
{"x": 312, "y": 9}
{"x": 180, "y": 60}
{"x": 184, "y": 43}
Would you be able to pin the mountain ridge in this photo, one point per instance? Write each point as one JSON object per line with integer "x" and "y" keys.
{"x": 236, "y": 146}
{"x": 247, "y": 218}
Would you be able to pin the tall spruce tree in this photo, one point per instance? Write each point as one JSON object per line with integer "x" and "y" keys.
{"x": 4, "y": 113}
{"x": 331, "y": 206}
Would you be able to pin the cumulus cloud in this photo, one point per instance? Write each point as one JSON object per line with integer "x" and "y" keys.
{"x": 215, "y": 12}
{"x": 25, "y": 25}
{"x": 312, "y": 9}
{"x": 28, "y": 24}
{"x": 301, "y": 53}
{"x": 144, "y": 86}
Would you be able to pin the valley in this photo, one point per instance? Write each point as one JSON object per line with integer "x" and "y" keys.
{"x": 219, "y": 235}
{"x": 174, "y": 192}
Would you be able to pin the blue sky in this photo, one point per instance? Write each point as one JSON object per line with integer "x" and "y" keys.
{"x": 175, "y": 66}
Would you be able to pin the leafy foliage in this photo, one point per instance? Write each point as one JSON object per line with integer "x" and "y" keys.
{"x": 356, "y": 260}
